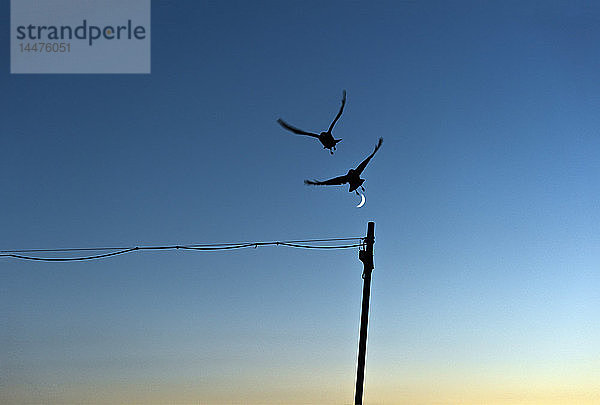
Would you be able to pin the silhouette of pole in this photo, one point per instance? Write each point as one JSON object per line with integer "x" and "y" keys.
{"x": 365, "y": 256}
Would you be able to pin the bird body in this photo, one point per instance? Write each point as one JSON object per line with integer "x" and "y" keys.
{"x": 354, "y": 180}
{"x": 326, "y": 138}
{"x": 328, "y": 141}
{"x": 352, "y": 177}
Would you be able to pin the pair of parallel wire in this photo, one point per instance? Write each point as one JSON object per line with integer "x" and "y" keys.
{"x": 24, "y": 254}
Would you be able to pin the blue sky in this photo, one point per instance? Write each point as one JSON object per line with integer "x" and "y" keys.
{"x": 485, "y": 198}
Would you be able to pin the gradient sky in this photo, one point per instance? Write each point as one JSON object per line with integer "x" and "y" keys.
{"x": 485, "y": 195}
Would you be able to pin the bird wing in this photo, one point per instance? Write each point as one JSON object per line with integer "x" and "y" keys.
{"x": 336, "y": 181}
{"x": 294, "y": 129}
{"x": 339, "y": 114}
{"x": 364, "y": 163}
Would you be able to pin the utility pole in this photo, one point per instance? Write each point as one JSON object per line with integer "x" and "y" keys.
{"x": 365, "y": 256}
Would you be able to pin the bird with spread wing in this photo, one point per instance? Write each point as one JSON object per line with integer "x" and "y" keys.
{"x": 326, "y": 138}
{"x": 352, "y": 177}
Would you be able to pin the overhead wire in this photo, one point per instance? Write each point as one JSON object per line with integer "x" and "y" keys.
{"x": 301, "y": 244}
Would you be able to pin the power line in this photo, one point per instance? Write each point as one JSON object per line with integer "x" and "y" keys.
{"x": 67, "y": 259}
{"x": 174, "y": 246}
{"x": 299, "y": 244}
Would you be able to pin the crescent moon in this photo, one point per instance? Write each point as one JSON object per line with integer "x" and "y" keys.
{"x": 362, "y": 201}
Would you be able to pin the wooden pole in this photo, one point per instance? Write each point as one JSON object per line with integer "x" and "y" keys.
{"x": 365, "y": 256}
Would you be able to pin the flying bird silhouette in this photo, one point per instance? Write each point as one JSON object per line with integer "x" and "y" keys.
{"x": 352, "y": 177}
{"x": 326, "y": 138}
